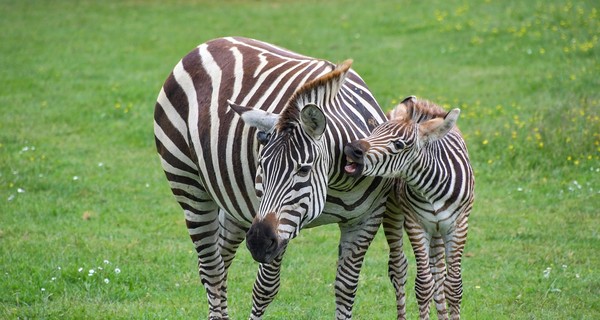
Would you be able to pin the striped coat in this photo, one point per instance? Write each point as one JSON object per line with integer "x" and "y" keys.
{"x": 422, "y": 147}
{"x": 251, "y": 140}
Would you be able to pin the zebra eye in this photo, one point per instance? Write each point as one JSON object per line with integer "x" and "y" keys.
{"x": 304, "y": 170}
{"x": 399, "y": 144}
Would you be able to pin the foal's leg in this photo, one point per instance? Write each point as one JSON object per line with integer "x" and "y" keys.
{"x": 437, "y": 264}
{"x": 424, "y": 282}
{"x": 455, "y": 244}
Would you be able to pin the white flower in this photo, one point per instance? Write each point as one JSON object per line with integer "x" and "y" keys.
{"x": 19, "y": 190}
{"x": 106, "y": 261}
{"x": 80, "y": 269}
{"x": 547, "y": 272}
{"x": 53, "y": 278}
{"x": 106, "y": 280}
{"x": 43, "y": 289}
{"x": 100, "y": 164}
{"x": 91, "y": 272}
{"x": 75, "y": 178}
{"x": 117, "y": 270}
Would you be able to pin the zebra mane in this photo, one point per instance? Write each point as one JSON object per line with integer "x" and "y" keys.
{"x": 320, "y": 92}
{"x": 417, "y": 110}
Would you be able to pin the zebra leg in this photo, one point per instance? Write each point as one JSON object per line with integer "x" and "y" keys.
{"x": 266, "y": 287}
{"x": 354, "y": 242}
{"x": 455, "y": 245}
{"x": 202, "y": 221}
{"x": 204, "y": 231}
{"x": 438, "y": 270}
{"x": 393, "y": 223}
{"x": 424, "y": 282}
{"x": 231, "y": 235}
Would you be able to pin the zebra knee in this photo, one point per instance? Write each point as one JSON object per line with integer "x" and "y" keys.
{"x": 424, "y": 288}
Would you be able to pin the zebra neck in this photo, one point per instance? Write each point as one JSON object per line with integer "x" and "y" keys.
{"x": 427, "y": 175}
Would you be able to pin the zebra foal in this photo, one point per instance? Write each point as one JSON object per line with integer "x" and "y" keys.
{"x": 263, "y": 173}
{"x": 421, "y": 146}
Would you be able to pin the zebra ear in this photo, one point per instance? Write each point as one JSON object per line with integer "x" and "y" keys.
{"x": 403, "y": 111}
{"x": 435, "y": 129}
{"x": 313, "y": 120}
{"x": 263, "y": 120}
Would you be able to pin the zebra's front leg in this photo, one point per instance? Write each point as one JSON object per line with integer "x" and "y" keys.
{"x": 393, "y": 224}
{"x": 437, "y": 264}
{"x": 266, "y": 287}
{"x": 353, "y": 246}
{"x": 455, "y": 245}
{"x": 424, "y": 282}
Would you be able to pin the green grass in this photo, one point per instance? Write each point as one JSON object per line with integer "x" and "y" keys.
{"x": 80, "y": 182}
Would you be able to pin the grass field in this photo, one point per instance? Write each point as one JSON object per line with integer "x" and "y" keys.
{"x": 89, "y": 229}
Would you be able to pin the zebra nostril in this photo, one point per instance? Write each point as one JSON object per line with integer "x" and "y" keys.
{"x": 357, "y": 153}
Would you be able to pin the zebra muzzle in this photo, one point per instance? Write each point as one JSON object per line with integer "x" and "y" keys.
{"x": 355, "y": 152}
{"x": 263, "y": 241}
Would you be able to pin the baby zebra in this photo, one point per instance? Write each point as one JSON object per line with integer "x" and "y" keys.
{"x": 421, "y": 145}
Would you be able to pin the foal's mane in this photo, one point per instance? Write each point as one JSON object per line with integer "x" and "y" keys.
{"x": 419, "y": 110}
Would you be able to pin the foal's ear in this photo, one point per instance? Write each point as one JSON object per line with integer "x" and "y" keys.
{"x": 435, "y": 129}
{"x": 403, "y": 111}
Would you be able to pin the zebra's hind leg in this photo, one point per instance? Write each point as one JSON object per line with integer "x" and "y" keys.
{"x": 393, "y": 223}
{"x": 204, "y": 231}
{"x": 455, "y": 244}
{"x": 437, "y": 264}
{"x": 202, "y": 221}
{"x": 266, "y": 287}
{"x": 424, "y": 282}
{"x": 232, "y": 234}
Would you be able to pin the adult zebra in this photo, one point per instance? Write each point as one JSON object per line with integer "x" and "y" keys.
{"x": 230, "y": 187}
{"x": 422, "y": 146}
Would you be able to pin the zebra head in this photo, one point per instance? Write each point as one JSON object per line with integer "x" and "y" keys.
{"x": 293, "y": 166}
{"x": 395, "y": 145}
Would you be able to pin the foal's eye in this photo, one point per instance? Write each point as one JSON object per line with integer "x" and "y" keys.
{"x": 399, "y": 144}
{"x": 303, "y": 171}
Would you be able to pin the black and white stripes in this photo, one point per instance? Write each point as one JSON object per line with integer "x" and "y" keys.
{"x": 422, "y": 147}
{"x": 211, "y": 109}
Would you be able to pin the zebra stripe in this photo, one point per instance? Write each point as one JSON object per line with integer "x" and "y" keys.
{"x": 231, "y": 187}
{"x": 435, "y": 191}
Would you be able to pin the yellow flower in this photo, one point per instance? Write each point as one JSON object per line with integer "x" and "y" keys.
{"x": 485, "y": 142}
